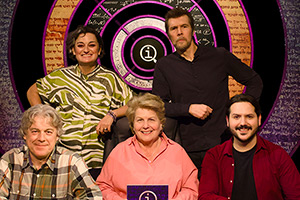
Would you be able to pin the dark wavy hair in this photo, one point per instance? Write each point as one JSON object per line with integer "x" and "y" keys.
{"x": 244, "y": 98}
{"x": 175, "y": 13}
{"x": 72, "y": 37}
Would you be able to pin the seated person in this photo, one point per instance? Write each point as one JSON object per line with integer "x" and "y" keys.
{"x": 88, "y": 96}
{"x": 248, "y": 166}
{"x": 40, "y": 169}
{"x": 148, "y": 157}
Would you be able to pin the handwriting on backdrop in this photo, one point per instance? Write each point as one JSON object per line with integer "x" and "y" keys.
{"x": 239, "y": 30}
{"x": 240, "y": 37}
{"x": 283, "y": 126}
{"x": 55, "y": 35}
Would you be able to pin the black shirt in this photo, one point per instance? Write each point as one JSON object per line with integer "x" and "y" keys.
{"x": 243, "y": 182}
{"x": 203, "y": 81}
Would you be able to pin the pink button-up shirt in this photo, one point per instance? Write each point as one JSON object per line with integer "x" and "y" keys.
{"x": 127, "y": 165}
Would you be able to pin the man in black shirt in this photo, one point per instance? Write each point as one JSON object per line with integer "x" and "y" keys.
{"x": 193, "y": 82}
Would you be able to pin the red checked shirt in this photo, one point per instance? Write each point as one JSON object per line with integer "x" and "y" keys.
{"x": 276, "y": 176}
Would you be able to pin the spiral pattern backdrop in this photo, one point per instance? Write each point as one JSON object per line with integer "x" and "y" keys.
{"x": 264, "y": 35}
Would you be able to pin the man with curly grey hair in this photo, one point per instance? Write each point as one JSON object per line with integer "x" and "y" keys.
{"x": 40, "y": 169}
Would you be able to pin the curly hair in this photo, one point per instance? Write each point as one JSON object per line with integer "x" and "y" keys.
{"x": 41, "y": 110}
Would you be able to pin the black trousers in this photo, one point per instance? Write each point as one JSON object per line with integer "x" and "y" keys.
{"x": 197, "y": 158}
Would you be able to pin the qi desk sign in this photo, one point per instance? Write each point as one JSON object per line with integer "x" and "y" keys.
{"x": 147, "y": 192}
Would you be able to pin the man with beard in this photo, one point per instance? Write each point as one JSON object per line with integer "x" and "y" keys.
{"x": 193, "y": 83}
{"x": 248, "y": 167}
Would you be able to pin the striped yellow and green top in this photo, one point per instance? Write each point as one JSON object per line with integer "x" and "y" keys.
{"x": 83, "y": 100}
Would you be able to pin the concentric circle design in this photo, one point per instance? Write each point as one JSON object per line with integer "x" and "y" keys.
{"x": 140, "y": 40}
{"x": 222, "y": 23}
{"x": 131, "y": 26}
{"x": 145, "y": 50}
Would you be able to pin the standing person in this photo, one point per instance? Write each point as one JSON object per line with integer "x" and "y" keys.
{"x": 247, "y": 166}
{"x": 149, "y": 157}
{"x": 193, "y": 83}
{"x": 40, "y": 169}
{"x": 88, "y": 97}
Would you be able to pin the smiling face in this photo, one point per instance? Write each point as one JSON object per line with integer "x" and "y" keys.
{"x": 180, "y": 32}
{"x": 243, "y": 123}
{"x": 146, "y": 126}
{"x": 40, "y": 138}
{"x": 86, "y": 49}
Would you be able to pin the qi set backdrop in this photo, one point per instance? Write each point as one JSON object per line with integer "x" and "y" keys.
{"x": 263, "y": 34}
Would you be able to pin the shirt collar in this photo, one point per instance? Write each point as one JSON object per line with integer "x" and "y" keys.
{"x": 133, "y": 140}
{"x": 50, "y": 162}
{"x": 196, "y": 54}
{"x": 26, "y": 157}
{"x": 78, "y": 71}
{"x": 259, "y": 146}
{"x": 164, "y": 145}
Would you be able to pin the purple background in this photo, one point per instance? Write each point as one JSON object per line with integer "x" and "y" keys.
{"x": 281, "y": 126}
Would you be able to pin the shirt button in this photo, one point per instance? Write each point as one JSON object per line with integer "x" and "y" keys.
{"x": 34, "y": 194}
{"x": 53, "y": 195}
{"x": 230, "y": 181}
{"x": 228, "y": 198}
{"x": 232, "y": 164}
{"x": 38, "y": 175}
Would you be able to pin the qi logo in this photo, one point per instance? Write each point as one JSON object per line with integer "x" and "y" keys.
{"x": 148, "y": 195}
{"x": 148, "y": 53}
{"x": 135, "y": 38}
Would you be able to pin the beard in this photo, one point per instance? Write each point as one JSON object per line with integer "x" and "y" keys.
{"x": 183, "y": 47}
{"x": 249, "y": 139}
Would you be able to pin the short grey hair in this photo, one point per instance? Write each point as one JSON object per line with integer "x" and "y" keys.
{"x": 41, "y": 110}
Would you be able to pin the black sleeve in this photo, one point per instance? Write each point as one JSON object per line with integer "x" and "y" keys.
{"x": 243, "y": 74}
{"x": 162, "y": 88}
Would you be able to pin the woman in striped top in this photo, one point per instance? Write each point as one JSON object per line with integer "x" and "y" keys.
{"x": 88, "y": 97}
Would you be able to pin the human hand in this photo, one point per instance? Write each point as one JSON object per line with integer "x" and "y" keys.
{"x": 200, "y": 111}
{"x": 104, "y": 125}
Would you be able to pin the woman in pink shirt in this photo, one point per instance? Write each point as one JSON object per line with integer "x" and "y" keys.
{"x": 148, "y": 157}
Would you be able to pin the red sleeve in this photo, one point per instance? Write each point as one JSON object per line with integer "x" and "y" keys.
{"x": 209, "y": 180}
